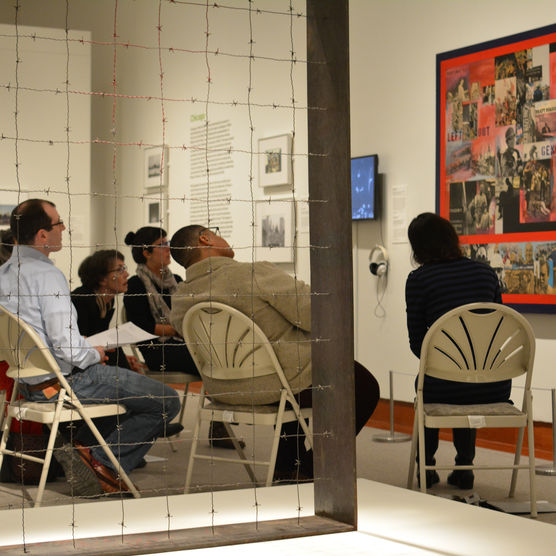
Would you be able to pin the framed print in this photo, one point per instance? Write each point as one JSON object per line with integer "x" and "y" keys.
{"x": 496, "y": 160}
{"x": 275, "y": 160}
{"x": 156, "y": 210}
{"x": 5, "y": 213}
{"x": 274, "y": 229}
{"x": 155, "y": 167}
{"x": 10, "y": 200}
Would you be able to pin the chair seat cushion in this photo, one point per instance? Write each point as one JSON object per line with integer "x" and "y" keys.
{"x": 267, "y": 409}
{"x": 500, "y": 408}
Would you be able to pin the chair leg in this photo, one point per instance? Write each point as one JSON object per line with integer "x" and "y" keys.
{"x": 50, "y": 448}
{"x": 5, "y": 433}
{"x": 297, "y": 410}
{"x": 194, "y": 443}
{"x": 422, "y": 458}
{"x": 531, "y": 441}
{"x": 3, "y": 404}
{"x": 412, "y": 454}
{"x": 180, "y": 420}
{"x": 517, "y": 458}
{"x": 276, "y": 440}
{"x": 240, "y": 452}
{"x": 182, "y": 410}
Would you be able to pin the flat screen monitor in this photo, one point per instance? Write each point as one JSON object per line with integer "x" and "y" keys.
{"x": 363, "y": 187}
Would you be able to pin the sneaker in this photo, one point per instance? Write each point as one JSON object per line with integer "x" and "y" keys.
{"x": 463, "y": 479}
{"x": 431, "y": 477}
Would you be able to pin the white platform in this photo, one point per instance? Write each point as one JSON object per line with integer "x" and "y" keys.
{"x": 391, "y": 521}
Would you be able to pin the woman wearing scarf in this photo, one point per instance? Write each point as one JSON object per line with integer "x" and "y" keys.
{"x": 148, "y": 301}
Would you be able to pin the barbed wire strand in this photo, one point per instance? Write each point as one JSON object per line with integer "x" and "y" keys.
{"x": 18, "y": 181}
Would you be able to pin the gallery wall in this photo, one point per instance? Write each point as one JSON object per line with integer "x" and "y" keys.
{"x": 393, "y": 51}
{"x": 393, "y": 47}
{"x": 46, "y": 146}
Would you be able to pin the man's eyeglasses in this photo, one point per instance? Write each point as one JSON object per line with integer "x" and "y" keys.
{"x": 59, "y": 223}
{"x": 214, "y": 229}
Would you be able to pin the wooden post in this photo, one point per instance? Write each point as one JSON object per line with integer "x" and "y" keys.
{"x": 331, "y": 259}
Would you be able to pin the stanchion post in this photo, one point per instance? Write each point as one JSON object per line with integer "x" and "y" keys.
{"x": 393, "y": 436}
{"x": 551, "y": 470}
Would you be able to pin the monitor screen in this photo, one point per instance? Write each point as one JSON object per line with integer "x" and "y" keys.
{"x": 363, "y": 185}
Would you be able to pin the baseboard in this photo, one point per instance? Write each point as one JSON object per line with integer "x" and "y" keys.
{"x": 495, "y": 439}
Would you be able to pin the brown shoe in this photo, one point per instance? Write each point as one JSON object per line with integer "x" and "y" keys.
{"x": 107, "y": 478}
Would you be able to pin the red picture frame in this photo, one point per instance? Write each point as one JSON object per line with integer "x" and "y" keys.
{"x": 496, "y": 159}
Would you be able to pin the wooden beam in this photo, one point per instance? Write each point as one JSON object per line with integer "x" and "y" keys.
{"x": 331, "y": 259}
{"x": 185, "y": 539}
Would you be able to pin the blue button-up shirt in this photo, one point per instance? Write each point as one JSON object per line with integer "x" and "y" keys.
{"x": 31, "y": 286}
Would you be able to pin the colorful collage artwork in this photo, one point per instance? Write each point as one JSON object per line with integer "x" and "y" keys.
{"x": 497, "y": 159}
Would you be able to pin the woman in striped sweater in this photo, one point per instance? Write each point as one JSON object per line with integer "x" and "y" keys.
{"x": 445, "y": 280}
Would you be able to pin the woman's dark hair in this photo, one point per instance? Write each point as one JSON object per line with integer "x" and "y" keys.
{"x": 6, "y": 245}
{"x": 433, "y": 239}
{"x": 142, "y": 239}
{"x": 96, "y": 266}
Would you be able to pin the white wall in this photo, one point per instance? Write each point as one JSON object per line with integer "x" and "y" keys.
{"x": 393, "y": 49}
{"x": 185, "y": 78}
{"x": 35, "y": 157}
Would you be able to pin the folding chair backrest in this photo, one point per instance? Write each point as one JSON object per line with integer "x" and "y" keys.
{"x": 478, "y": 342}
{"x": 23, "y": 349}
{"x": 227, "y": 345}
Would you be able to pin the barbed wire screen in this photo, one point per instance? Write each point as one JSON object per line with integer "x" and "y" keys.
{"x": 157, "y": 129}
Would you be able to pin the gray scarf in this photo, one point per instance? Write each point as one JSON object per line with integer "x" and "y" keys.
{"x": 165, "y": 282}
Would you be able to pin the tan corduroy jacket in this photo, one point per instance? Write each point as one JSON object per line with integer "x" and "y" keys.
{"x": 278, "y": 303}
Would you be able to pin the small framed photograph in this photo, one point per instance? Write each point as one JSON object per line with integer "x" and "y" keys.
{"x": 155, "y": 167}
{"x": 10, "y": 200}
{"x": 275, "y": 160}
{"x": 5, "y": 213}
{"x": 274, "y": 229}
{"x": 156, "y": 210}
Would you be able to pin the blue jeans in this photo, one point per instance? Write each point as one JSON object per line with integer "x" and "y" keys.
{"x": 149, "y": 403}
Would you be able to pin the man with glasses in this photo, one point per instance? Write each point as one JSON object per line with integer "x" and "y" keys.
{"x": 281, "y": 307}
{"x": 34, "y": 289}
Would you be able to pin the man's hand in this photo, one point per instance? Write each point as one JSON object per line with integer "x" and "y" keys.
{"x": 103, "y": 356}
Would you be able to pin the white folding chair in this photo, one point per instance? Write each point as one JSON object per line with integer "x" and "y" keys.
{"x": 227, "y": 345}
{"x": 28, "y": 357}
{"x": 167, "y": 377}
{"x": 477, "y": 343}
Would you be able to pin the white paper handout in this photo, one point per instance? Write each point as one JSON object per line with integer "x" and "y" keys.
{"x": 120, "y": 335}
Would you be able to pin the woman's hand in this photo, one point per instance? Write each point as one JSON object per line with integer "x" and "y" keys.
{"x": 165, "y": 330}
{"x": 135, "y": 364}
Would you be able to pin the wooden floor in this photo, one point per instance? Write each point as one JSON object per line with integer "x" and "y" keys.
{"x": 493, "y": 439}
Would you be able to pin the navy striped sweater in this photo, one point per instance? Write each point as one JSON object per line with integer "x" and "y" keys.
{"x": 434, "y": 289}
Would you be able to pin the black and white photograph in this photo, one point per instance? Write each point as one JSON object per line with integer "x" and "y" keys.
{"x": 274, "y": 223}
{"x": 156, "y": 210}
{"x": 5, "y": 212}
{"x": 155, "y": 167}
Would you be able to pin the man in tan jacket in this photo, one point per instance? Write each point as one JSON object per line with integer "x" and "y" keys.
{"x": 278, "y": 303}
{"x": 281, "y": 306}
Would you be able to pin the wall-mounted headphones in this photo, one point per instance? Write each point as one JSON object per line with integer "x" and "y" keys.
{"x": 378, "y": 259}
